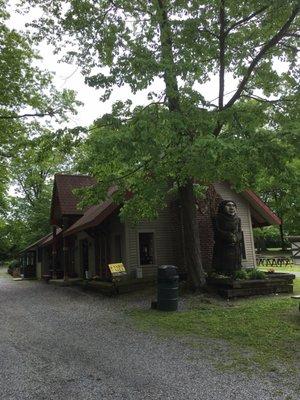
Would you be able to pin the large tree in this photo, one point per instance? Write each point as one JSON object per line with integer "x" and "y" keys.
{"x": 28, "y": 150}
{"x": 184, "y": 137}
{"x": 27, "y": 93}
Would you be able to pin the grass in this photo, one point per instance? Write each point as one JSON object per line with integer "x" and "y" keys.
{"x": 261, "y": 331}
{"x": 291, "y": 269}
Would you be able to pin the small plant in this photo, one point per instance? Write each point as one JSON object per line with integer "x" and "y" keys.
{"x": 271, "y": 271}
{"x": 216, "y": 275}
{"x": 255, "y": 274}
{"x": 242, "y": 274}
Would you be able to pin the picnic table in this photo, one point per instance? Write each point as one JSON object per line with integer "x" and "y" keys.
{"x": 268, "y": 261}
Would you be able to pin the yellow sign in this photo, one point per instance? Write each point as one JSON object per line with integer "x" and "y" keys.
{"x": 117, "y": 268}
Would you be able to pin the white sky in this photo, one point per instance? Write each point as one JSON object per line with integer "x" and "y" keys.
{"x": 69, "y": 77}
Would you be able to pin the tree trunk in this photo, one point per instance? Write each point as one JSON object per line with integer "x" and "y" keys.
{"x": 186, "y": 191}
{"x": 191, "y": 235}
{"x": 283, "y": 245}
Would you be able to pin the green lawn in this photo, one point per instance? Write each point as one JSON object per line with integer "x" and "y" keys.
{"x": 264, "y": 331}
{"x": 293, "y": 268}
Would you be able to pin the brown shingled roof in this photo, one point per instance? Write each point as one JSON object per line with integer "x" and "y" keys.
{"x": 38, "y": 243}
{"x": 64, "y": 201}
{"x": 92, "y": 217}
{"x": 49, "y": 239}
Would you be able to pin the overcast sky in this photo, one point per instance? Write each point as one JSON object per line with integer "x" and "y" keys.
{"x": 69, "y": 77}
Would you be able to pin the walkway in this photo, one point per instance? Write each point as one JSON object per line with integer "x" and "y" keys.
{"x": 63, "y": 344}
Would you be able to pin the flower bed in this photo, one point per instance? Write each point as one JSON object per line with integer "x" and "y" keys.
{"x": 274, "y": 282}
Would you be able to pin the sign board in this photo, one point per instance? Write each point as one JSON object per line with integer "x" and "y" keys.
{"x": 117, "y": 270}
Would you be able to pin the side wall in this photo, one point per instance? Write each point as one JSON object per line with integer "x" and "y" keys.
{"x": 165, "y": 229}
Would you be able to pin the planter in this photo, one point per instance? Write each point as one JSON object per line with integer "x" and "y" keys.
{"x": 273, "y": 283}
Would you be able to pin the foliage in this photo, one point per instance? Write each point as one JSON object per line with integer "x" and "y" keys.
{"x": 242, "y": 274}
{"x": 26, "y": 94}
{"x": 30, "y": 151}
{"x": 182, "y": 135}
{"x": 281, "y": 193}
{"x": 144, "y": 144}
{"x": 250, "y": 273}
{"x": 267, "y": 237}
{"x": 255, "y": 273}
{"x": 38, "y": 158}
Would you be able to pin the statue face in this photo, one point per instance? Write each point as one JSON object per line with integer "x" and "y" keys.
{"x": 230, "y": 208}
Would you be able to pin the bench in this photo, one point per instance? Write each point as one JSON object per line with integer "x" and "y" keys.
{"x": 267, "y": 261}
{"x": 297, "y": 297}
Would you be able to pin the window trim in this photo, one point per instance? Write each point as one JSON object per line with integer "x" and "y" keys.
{"x": 154, "y": 245}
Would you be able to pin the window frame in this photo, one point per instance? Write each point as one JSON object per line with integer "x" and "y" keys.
{"x": 152, "y": 231}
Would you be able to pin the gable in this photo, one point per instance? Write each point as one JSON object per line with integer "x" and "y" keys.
{"x": 64, "y": 201}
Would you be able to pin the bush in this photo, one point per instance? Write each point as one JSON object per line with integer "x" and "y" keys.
{"x": 255, "y": 274}
{"x": 242, "y": 274}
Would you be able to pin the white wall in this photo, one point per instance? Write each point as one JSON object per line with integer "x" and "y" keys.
{"x": 164, "y": 230}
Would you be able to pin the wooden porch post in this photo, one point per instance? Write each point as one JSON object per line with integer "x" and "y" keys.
{"x": 54, "y": 252}
{"x": 65, "y": 258}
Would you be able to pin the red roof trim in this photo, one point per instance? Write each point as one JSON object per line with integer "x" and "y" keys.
{"x": 261, "y": 207}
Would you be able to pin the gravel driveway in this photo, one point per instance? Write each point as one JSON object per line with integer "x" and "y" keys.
{"x": 61, "y": 343}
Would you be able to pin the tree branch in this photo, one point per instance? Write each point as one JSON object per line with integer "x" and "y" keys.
{"x": 16, "y": 116}
{"x": 222, "y": 45}
{"x": 245, "y": 19}
{"x": 262, "y": 100}
{"x": 271, "y": 43}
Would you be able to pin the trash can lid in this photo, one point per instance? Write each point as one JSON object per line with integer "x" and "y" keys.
{"x": 167, "y": 271}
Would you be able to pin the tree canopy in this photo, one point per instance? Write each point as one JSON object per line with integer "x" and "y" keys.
{"x": 183, "y": 138}
{"x": 31, "y": 149}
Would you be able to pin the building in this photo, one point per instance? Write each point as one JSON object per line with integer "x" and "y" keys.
{"x": 84, "y": 242}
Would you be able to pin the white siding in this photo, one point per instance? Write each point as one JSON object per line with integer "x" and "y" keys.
{"x": 243, "y": 211}
{"x": 163, "y": 229}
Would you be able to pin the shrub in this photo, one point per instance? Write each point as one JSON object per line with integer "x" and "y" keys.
{"x": 242, "y": 274}
{"x": 255, "y": 274}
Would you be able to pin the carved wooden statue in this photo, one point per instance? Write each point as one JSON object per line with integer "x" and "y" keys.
{"x": 228, "y": 239}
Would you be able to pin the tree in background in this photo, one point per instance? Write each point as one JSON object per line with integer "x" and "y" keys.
{"x": 281, "y": 193}
{"x": 29, "y": 152}
{"x": 281, "y": 190}
{"x": 26, "y": 93}
{"x": 26, "y": 217}
{"x": 183, "y": 139}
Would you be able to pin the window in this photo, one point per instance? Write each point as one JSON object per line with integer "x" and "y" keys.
{"x": 146, "y": 246}
{"x": 243, "y": 247}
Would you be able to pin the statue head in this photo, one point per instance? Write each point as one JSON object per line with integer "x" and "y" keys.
{"x": 227, "y": 207}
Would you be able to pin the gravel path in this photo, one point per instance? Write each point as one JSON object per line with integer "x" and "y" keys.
{"x": 63, "y": 344}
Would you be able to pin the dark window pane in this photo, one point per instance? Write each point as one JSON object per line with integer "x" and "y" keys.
{"x": 146, "y": 246}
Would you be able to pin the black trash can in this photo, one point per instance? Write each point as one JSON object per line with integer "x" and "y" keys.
{"x": 167, "y": 288}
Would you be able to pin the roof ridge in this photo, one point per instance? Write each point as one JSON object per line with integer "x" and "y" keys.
{"x": 73, "y": 175}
